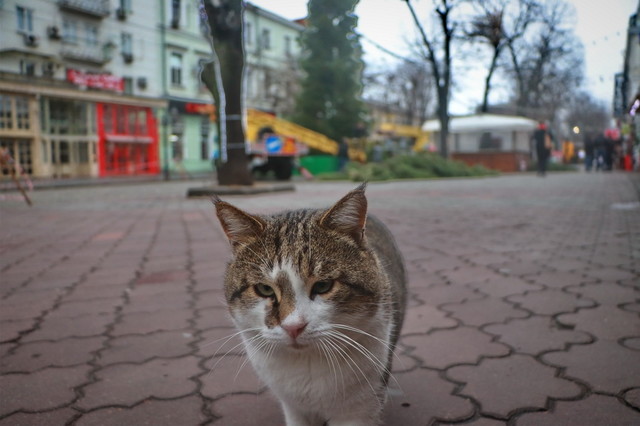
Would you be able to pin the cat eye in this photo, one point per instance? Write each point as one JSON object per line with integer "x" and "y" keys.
{"x": 264, "y": 290}
{"x": 322, "y": 287}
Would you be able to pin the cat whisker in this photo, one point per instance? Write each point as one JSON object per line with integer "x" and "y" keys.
{"x": 256, "y": 337}
{"x": 333, "y": 361}
{"x": 348, "y": 358}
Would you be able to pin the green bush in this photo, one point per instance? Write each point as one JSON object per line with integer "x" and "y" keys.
{"x": 419, "y": 166}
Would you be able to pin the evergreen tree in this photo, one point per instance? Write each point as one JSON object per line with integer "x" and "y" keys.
{"x": 329, "y": 101}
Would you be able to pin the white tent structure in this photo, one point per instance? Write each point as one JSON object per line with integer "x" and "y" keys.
{"x": 495, "y": 141}
{"x": 486, "y": 132}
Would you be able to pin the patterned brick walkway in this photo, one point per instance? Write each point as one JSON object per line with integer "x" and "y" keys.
{"x": 524, "y": 310}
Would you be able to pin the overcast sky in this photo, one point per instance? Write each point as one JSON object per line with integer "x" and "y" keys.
{"x": 600, "y": 24}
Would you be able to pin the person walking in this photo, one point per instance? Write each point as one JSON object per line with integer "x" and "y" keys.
{"x": 543, "y": 145}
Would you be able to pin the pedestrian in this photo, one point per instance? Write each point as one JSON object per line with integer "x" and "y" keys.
{"x": 543, "y": 145}
{"x": 589, "y": 151}
{"x": 343, "y": 155}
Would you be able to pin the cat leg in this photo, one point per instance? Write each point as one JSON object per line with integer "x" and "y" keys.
{"x": 294, "y": 417}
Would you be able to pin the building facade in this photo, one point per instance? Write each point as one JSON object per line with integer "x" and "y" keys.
{"x": 271, "y": 78}
{"x": 79, "y": 92}
{"x": 114, "y": 87}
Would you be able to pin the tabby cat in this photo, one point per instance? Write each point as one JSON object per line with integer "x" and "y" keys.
{"x": 319, "y": 300}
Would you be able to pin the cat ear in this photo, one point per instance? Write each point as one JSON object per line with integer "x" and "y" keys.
{"x": 349, "y": 215}
{"x": 239, "y": 226}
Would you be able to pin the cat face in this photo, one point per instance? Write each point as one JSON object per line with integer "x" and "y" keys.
{"x": 302, "y": 276}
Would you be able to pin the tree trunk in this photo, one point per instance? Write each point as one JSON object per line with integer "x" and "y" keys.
{"x": 487, "y": 82}
{"x": 225, "y": 22}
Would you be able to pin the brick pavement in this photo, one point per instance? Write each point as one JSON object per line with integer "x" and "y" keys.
{"x": 524, "y": 309}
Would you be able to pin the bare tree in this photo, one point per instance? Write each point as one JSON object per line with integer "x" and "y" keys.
{"x": 489, "y": 28}
{"x": 546, "y": 60}
{"x": 440, "y": 60}
{"x": 223, "y": 79}
{"x": 405, "y": 89}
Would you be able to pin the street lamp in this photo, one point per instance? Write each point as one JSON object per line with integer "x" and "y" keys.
{"x": 576, "y": 130}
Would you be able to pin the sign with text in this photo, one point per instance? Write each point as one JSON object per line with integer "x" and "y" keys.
{"x": 95, "y": 81}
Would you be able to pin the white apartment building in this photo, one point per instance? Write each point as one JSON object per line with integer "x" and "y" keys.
{"x": 79, "y": 86}
{"x": 112, "y": 87}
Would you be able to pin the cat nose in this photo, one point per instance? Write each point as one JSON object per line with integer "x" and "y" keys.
{"x": 295, "y": 329}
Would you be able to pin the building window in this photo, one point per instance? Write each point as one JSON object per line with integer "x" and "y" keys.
{"x": 91, "y": 35}
{"x": 83, "y": 152}
{"x": 25, "y": 19}
{"x": 27, "y": 67}
{"x": 142, "y": 122}
{"x": 127, "y": 44}
{"x": 266, "y": 39}
{"x": 6, "y": 121}
{"x": 68, "y": 117}
{"x": 248, "y": 33}
{"x": 175, "y": 68}
{"x": 64, "y": 152}
{"x": 128, "y": 85}
{"x": 70, "y": 31}
{"x": 287, "y": 45}
{"x": 175, "y": 14}
{"x": 22, "y": 113}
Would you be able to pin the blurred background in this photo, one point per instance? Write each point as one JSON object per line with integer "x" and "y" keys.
{"x": 103, "y": 88}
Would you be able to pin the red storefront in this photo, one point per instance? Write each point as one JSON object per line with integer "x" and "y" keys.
{"x": 128, "y": 140}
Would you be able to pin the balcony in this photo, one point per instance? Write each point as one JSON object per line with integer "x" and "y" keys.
{"x": 92, "y": 55}
{"x": 93, "y": 8}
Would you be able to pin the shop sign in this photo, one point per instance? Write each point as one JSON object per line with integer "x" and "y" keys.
{"x": 95, "y": 81}
{"x": 192, "y": 108}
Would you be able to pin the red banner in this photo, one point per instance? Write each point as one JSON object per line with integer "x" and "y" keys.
{"x": 96, "y": 81}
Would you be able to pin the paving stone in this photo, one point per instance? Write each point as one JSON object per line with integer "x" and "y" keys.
{"x": 156, "y": 302}
{"x": 558, "y": 280}
{"x": 604, "y": 322}
{"x": 607, "y": 293}
{"x": 229, "y": 374}
{"x": 482, "y": 421}
{"x": 568, "y": 265}
{"x": 138, "y": 348}
{"x": 11, "y": 330}
{"x": 631, "y": 307}
{"x": 441, "y": 294}
{"x": 632, "y": 396}
{"x": 213, "y": 317}
{"x": 610, "y": 274}
{"x": 149, "y": 322}
{"x": 631, "y": 343}
{"x": 425, "y": 318}
{"x": 64, "y": 327}
{"x": 439, "y": 263}
{"x": 550, "y": 302}
{"x": 184, "y": 412}
{"x": 516, "y": 382}
{"x": 423, "y": 398}
{"x": 129, "y": 384}
{"x": 81, "y": 308}
{"x": 535, "y": 335}
{"x": 594, "y": 410}
{"x": 605, "y": 365}
{"x": 469, "y": 274}
{"x": 519, "y": 268}
{"x": 85, "y": 292}
{"x": 11, "y": 311}
{"x": 30, "y": 357}
{"x": 444, "y": 348}
{"x": 42, "y": 390}
{"x": 501, "y": 286}
{"x": 247, "y": 409}
{"x": 55, "y": 417}
{"x": 482, "y": 312}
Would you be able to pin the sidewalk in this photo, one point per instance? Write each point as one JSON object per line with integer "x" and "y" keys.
{"x": 524, "y": 308}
